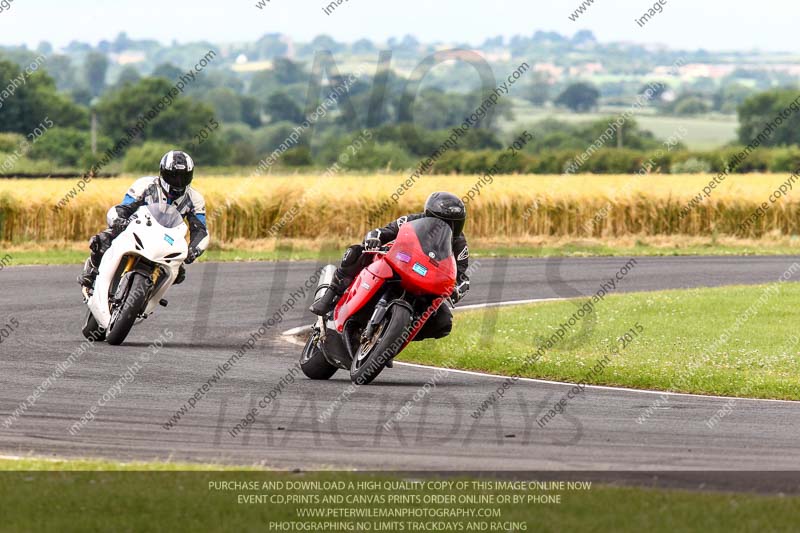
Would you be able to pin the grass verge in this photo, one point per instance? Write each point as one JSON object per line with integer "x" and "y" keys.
{"x": 66, "y": 253}
{"x": 156, "y": 499}
{"x": 36, "y": 464}
{"x": 737, "y": 341}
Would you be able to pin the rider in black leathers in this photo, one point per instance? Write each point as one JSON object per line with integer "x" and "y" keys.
{"x": 442, "y": 205}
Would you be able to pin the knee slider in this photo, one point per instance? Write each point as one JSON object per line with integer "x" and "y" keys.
{"x": 445, "y": 331}
{"x": 351, "y": 255}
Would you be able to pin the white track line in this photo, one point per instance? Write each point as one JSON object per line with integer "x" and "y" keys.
{"x": 508, "y": 304}
{"x": 31, "y": 457}
{"x": 598, "y": 387}
{"x": 299, "y": 330}
{"x": 294, "y": 332}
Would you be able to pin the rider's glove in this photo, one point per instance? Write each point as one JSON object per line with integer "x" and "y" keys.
{"x": 372, "y": 241}
{"x": 119, "y": 224}
{"x": 459, "y": 292}
{"x": 194, "y": 253}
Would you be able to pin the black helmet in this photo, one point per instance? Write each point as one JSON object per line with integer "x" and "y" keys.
{"x": 176, "y": 172}
{"x": 449, "y": 208}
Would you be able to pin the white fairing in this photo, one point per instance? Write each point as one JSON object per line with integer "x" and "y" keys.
{"x": 156, "y": 243}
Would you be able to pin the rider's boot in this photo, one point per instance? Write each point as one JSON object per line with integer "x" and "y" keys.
{"x": 89, "y": 274}
{"x": 327, "y": 302}
{"x": 181, "y": 277}
{"x": 98, "y": 246}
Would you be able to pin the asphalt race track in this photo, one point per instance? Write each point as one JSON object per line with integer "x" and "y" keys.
{"x": 214, "y": 313}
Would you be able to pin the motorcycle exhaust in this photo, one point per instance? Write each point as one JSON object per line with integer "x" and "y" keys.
{"x": 325, "y": 281}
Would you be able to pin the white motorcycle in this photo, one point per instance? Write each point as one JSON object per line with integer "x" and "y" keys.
{"x": 136, "y": 272}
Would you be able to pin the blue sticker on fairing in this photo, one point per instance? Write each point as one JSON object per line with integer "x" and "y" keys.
{"x": 419, "y": 269}
{"x": 169, "y": 239}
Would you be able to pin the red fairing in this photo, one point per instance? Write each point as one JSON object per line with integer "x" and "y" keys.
{"x": 361, "y": 291}
{"x": 439, "y": 276}
{"x": 420, "y": 274}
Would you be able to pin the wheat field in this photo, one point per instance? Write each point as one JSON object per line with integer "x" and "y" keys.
{"x": 509, "y": 207}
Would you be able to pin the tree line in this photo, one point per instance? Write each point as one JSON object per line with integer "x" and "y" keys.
{"x": 226, "y": 125}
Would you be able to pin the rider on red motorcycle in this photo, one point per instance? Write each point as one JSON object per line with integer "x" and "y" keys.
{"x": 441, "y": 205}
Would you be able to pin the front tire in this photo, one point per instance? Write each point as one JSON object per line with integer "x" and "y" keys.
{"x": 386, "y": 343}
{"x": 313, "y": 362}
{"x": 133, "y": 303}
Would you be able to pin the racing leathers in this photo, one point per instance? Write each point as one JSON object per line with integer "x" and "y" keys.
{"x": 147, "y": 191}
{"x": 440, "y": 323}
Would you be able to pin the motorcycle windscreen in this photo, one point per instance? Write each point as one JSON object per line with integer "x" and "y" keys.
{"x": 435, "y": 237}
{"x": 423, "y": 256}
{"x": 166, "y": 215}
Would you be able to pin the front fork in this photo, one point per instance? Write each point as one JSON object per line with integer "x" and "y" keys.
{"x": 130, "y": 261}
{"x": 130, "y": 265}
{"x": 377, "y": 317}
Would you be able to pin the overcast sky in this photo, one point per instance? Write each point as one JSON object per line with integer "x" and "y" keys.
{"x": 686, "y": 24}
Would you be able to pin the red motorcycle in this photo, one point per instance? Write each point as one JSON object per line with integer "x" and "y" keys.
{"x": 385, "y": 306}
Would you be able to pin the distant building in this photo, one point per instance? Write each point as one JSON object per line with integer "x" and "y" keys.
{"x": 552, "y": 70}
{"x": 695, "y": 70}
{"x": 586, "y": 69}
{"x": 128, "y": 57}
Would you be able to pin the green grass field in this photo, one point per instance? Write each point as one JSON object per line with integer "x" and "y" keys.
{"x": 37, "y": 464}
{"x": 48, "y": 496}
{"x": 678, "y": 349}
{"x": 704, "y": 132}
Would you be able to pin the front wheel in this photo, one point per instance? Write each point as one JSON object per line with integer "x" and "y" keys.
{"x": 128, "y": 309}
{"x": 313, "y": 362}
{"x": 386, "y": 342}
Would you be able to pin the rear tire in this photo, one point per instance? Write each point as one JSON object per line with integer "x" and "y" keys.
{"x": 367, "y": 366}
{"x": 132, "y": 305}
{"x": 92, "y": 330}
{"x": 313, "y": 362}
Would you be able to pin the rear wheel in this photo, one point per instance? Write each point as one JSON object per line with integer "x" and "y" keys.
{"x": 130, "y": 306}
{"x": 313, "y": 362}
{"x": 385, "y": 343}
